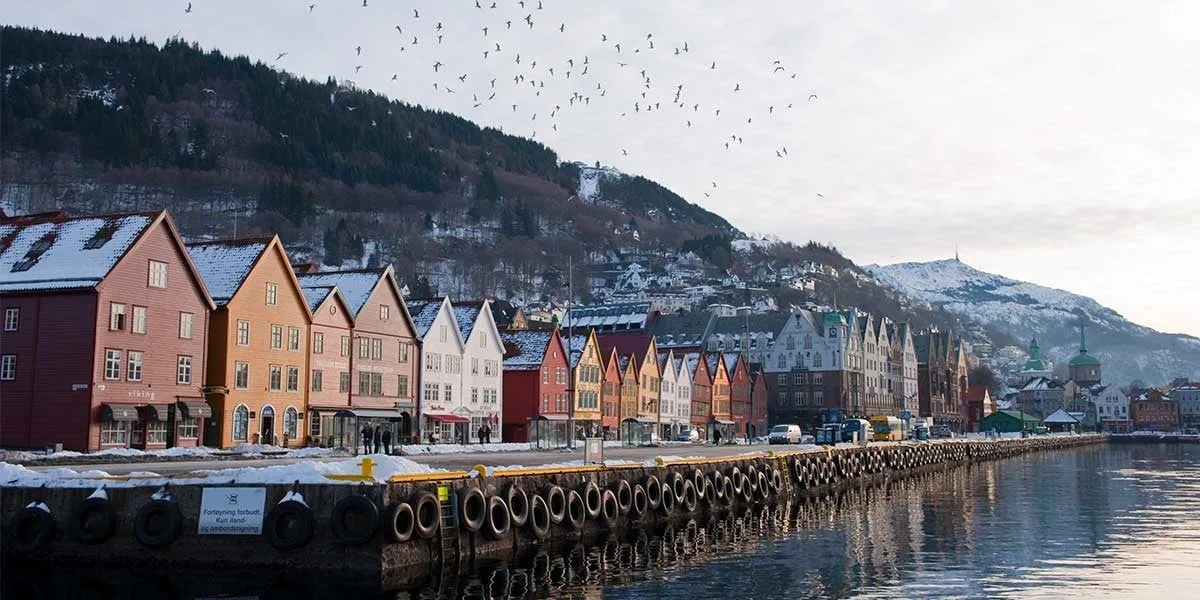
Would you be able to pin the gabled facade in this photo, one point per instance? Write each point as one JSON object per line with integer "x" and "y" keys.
{"x": 683, "y": 406}
{"x": 977, "y": 405}
{"x": 588, "y": 385}
{"x": 1041, "y": 396}
{"x": 721, "y": 415}
{"x": 674, "y": 396}
{"x": 630, "y": 387}
{"x": 329, "y": 359}
{"x": 642, "y": 352}
{"x": 441, "y": 403}
{"x": 482, "y": 356}
{"x": 739, "y": 392}
{"x": 1112, "y": 408}
{"x": 384, "y": 353}
{"x": 701, "y": 417}
{"x": 104, "y": 335}
{"x": 535, "y": 383}
{"x": 876, "y": 399}
{"x": 909, "y": 368}
{"x": 1154, "y": 411}
{"x": 611, "y": 395}
{"x": 938, "y": 383}
{"x": 257, "y": 379}
{"x": 760, "y": 399}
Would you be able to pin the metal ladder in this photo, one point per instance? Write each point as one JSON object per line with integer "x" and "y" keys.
{"x": 450, "y": 551}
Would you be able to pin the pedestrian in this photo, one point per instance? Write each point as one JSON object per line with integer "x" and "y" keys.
{"x": 487, "y": 434}
{"x": 387, "y": 440}
{"x": 366, "y": 438}
{"x": 378, "y": 438}
{"x": 482, "y": 433}
{"x": 716, "y": 437}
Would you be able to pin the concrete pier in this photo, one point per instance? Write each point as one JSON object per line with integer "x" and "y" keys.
{"x": 417, "y": 523}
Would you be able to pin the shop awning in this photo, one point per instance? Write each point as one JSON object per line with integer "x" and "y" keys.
{"x": 368, "y": 413}
{"x": 118, "y": 412}
{"x": 194, "y": 409}
{"x": 449, "y": 419}
{"x": 550, "y": 417}
{"x": 723, "y": 421}
{"x": 154, "y": 412}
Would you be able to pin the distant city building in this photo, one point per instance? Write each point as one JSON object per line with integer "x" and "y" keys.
{"x": 1154, "y": 411}
{"x": 1084, "y": 368}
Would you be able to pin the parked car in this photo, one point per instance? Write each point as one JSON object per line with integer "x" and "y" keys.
{"x": 941, "y": 431}
{"x": 690, "y": 435}
{"x": 785, "y": 434}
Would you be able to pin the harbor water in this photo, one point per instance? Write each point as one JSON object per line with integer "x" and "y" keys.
{"x": 1104, "y": 521}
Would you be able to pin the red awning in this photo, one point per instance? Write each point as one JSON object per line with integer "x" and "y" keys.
{"x": 449, "y": 419}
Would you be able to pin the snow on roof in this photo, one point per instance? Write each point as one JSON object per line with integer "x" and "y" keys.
{"x": 1060, "y": 417}
{"x": 315, "y": 296}
{"x": 575, "y": 346}
{"x": 467, "y": 314}
{"x": 1039, "y": 384}
{"x": 424, "y": 312}
{"x": 355, "y": 286}
{"x": 625, "y": 314}
{"x": 62, "y": 254}
{"x": 525, "y": 350}
{"x": 224, "y": 265}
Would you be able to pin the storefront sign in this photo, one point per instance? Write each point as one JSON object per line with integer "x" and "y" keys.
{"x": 232, "y": 511}
{"x": 593, "y": 451}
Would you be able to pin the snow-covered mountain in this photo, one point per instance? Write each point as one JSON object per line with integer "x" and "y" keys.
{"x": 1126, "y": 350}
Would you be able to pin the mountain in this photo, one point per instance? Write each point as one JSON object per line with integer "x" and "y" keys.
{"x": 1127, "y": 351}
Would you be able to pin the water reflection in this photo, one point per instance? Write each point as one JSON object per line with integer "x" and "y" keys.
{"x": 1106, "y": 522}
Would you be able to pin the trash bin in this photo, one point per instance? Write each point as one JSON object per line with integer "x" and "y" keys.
{"x": 52, "y": 448}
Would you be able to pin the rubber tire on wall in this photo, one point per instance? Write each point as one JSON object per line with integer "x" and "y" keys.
{"x": 499, "y": 518}
{"x": 42, "y": 525}
{"x": 690, "y": 497}
{"x": 592, "y": 500}
{"x": 640, "y": 503}
{"x": 518, "y": 505}
{"x": 289, "y": 526}
{"x": 700, "y": 482}
{"x": 426, "y": 504}
{"x": 576, "y": 510}
{"x": 776, "y": 480}
{"x": 653, "y": 492}
{"x": 162, "y": 508}
{"x": 400, "y": 523}
{"x": 624, "y": 495}
{"x": 610, "y": 510}
{"x": 556, "y": 501}
{"x": 539, "y": 518}
{"x": 676, "y": 481}
{"x": 472, "y": 510}
{"x": 94, "y": 521}
{"x": 717, "y": 485}
{"x": 668, "y": 499}
{"x": 354, "y": 533}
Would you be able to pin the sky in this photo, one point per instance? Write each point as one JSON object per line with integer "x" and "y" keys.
{"x": 1051, "y": 142}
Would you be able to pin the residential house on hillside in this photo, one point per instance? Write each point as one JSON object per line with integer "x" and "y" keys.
{"x": 612, "y": 396}
{"x": 385, "y": 353}
{"x": 739, "y": 392}
{"x": 329, "y": 361}
{"x": 443, "y": 411}
{"x": 104, "y": 334}
{"x": 588, "y": 386}
{"x": 760, "y": 399}
{"x": 721, "y": 415}
{"x": 483, "y": 353}
{"x": 1041, "y": 396}
{"x": 701, "y": 394}
{"x": 257, "y": 376}
{"x": 604, "y": 318}
{"x": 1154, "y": 411}
{"x": 1112, "y": 408}
{"x": 536, "y": 401}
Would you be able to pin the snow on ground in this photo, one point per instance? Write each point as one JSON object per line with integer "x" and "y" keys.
{"x": 245, "y": 450}
{"x": 466, "y": 448}
{"x": 305, "y": 472}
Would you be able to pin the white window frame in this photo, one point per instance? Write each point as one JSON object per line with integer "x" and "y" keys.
{"x": 243, "y": 333}
{"x": 293, "y": 339}
{"x": 316, "y": 380}
{"x": 8, "y": 367}
{"x": 116, "y": 316}
{"x": 275, "y": 378}
{"x": 189, "y": 428}
{"x": 112, "y": 364}
{"x": 318, "y": 342}
{"x": 272, "y": 294}
{"x": 183, "y": 370}
{"x": 185, "y": 325}
{"x": 12, "y": 319}
{"x": 133, "y": 369}
{"x": 291, "y": 422}
{"x": 156, "y": 432}
{"x": 114, "y": 432}
{"x": 137, "y": 321}
{"x": 276, "y": 337}
{"x": 385, "y": 312}
{"x": 157, "y": 274}
{"x": 293, "y": 379}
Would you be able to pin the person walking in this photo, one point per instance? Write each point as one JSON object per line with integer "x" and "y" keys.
{"x": 716, "y": 437}
{"x": 378, "y": 438}
{"x": 366, "y": 438}
{"x": 482, "y": 433}
{"x": 387, "y": 440}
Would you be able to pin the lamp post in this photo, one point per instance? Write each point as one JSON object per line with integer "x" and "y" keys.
{"x": 570, "y": 350}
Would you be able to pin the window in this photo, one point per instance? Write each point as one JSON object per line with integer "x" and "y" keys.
{"x": 243, "y": 333}
{"x": 185, "y": 325}
{"x": 8, "y": 367}
{"x": 475, "y": 397}
{"x": 139, "y": 319}
{"x": 116, "y": 317}
{"x": 134, "y": 370}
{"x": 156, "y": 432}
{"x": 364, "y": 383}
{"x": 345, "y": 345}
{"x": 293, "y": 379}
{"x": 158, "y": 274}
{"x": 377, "y": 384}
{"x": 448, "y": 393}
{"x": 817, "y": 360}
{"x": 291, "y": 418}
{"x": 314, "y": 426}
{"x": 189, "y": 428}
{"x": 442, "y": 333}
{"x": 241, "y": 423}
{"x": 184, "y": 370}
{"x": 376, "y": 349}
{"x": 241, "y": 375}
{"x": 272, "y": 294}
{"x": 483, "y": 342}
{"x": 545, "y": 403}
{"x": 114, "y": 432}
{"x": 318, "y": 343}
{"x": 384, "y": 312}
{"x": 364, "y": 347}
{"x": 277, "y": 337}
{"x": 560, "y": 375}
{"x": 275, "y": 383}
{"x": 431, "y": 392}
{"x": 12, "y": 317}
{"x": 402, "y": 386}
{"x": 489, "y": 367}
{"x": 405, "y": 348}
{"x": 112, "y": 364}
{"x": 293, "y": 339}
{"x": 545, "y": 374}
{"x": 474, "y": 366}
{"x": 344, "y": 382}
{"x": 316, "y": 377}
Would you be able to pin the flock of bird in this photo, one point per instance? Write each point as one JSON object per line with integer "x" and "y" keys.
{"x": 587, "y": 78}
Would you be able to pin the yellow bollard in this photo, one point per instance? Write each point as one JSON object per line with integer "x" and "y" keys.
{"x": 480, "y": 469}
{"x": 368, "y": 469}
{"x": 659, "y": 461}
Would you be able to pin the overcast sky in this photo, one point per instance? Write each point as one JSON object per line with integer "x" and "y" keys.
{"x": 1054, "y": 142}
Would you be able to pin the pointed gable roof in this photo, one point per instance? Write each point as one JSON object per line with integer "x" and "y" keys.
{"x": 356, "y": 285}
{"x": 467, "y": 314}
{"x": 698, "y": 367}
{"x": 526, "y": 350}
{"x": 626, "y": 344}
{"x": 714, "y": 361}
{"x": 318, "y": 295}
{"x": 424, "y": 312}
{"x": 225, "y": 264}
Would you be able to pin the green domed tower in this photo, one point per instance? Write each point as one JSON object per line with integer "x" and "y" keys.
{"x": 1084, "y": 368}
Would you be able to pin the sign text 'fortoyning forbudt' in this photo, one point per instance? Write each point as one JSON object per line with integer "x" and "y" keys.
{"x": 232, "y": 511}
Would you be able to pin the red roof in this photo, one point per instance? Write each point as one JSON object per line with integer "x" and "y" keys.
{"x": 976, "y": 393}
{"x": 626, "y": 344}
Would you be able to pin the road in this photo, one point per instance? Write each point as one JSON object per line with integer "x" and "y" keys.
{"x": 465, "y": 461}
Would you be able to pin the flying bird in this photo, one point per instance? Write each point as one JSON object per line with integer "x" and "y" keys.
{"x": 485, "y": 31}
{"x": 416, "y": 15}
{"x": 398, "y": 30}
{"x": 312, "y": 6}
{"x": 358, "y": 50}
{"x": 463, "y": 78}
{"x": 562, "y": 28}
{"x": 364, "y": 3}
{"x": 624, "y": 152}
{"x": 439, "y": 26}
{"x": 714, "y": 65}
{"x": 189, "y": 8}
{"x": 208, "y": 91}
{"x": 436, "y": 66}
{"x": 812, "y": 97}
{"x": 357, "y": 68}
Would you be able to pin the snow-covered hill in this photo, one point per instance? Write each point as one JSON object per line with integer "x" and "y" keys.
{"x": 1127, "y": 350}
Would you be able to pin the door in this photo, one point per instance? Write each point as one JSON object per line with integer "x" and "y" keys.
{"x": 267, "y": 433}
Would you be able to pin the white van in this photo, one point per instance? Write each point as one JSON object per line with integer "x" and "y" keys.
{"x": 785, "y": 434}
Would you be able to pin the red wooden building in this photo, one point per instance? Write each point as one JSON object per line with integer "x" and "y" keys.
{"x": 701, "y": 394}
{"x": 105, "y": 333}
{"x": 760, "y": 398}
{"x": 739, "y": 392}
{"x": 610, "y": 397}
{"x": 536, "y": 383}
